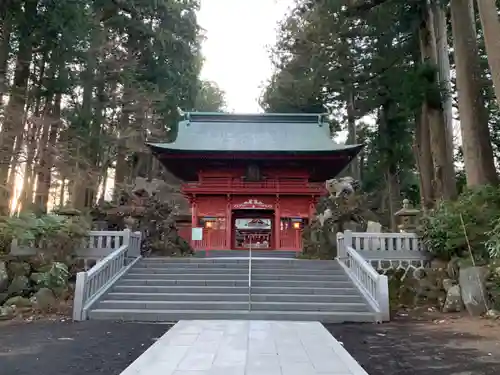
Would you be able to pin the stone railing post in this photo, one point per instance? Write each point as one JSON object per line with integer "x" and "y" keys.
{"x": 79, "y": 298}
{"x": 136, "y": 243}
{"x": 348, "y": 238}
{"x": 341, "y": 251}
{"x": 408, "y": 217}
{"x": 383, "y": 297}
{"x": 126, "y": 236}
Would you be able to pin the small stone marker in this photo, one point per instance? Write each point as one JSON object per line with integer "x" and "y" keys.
{"x": 472, "y": 285}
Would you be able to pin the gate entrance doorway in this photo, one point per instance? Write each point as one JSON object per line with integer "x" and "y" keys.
{"x": 253, "y": 228}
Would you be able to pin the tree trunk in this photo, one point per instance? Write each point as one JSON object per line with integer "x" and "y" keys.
{"x": 14, "y": 162}
{"x": 44, "y": 174}
{"x": 13, "y": 125}
{"x": 488, "y": 13}
{"x": 121, "y": 168}
{"x": 98, "y": 149}
{"x": 444, "y": 68}
{"x": 33, "y": 105}
{"x": 478, "y": 153}
{"x": 351, "y": 126}
{"x": 390, "y": 164}
{"x": 40, "y": 169}
{"x": 83, "y": 189}
{"x": 104, "y": 184}
{"x": 394, "y": 194}
{"x": 442, "y": 156}
{"x": 28, "y": 180}
{"x": 154, "y": 171}
{"x": 423, "y": 157}
{"x": 62, "y": 192}
{"x": 5, "y": 32}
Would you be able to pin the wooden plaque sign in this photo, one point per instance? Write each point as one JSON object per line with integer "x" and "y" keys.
{"x": 253, "y": 204}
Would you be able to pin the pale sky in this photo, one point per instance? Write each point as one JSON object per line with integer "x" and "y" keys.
{"x": 236, "y": 50}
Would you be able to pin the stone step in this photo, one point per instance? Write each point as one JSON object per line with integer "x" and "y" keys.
{"x": 187, "y": 276}
{"x": 231, "y": 305}
{"x": 139, "y": 315}
{"x": 170, "y": 289}
{"x": 234, "y": 270}
{"x": 351, "y": 291}
{"x": 228, "y": 276}
{"x": 177, "y": 296}
{"x": 242, "y": 297}
{"x": 265, "y": 263}
{"x": 145, "y": 280}
{"x": 290, "y": 254}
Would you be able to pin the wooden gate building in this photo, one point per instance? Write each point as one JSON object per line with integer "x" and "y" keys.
{"x": 253, "y": 180}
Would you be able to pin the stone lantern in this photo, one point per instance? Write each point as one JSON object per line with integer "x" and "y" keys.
{"x": 68, "y": 211}
{"x": 408, "y": 217}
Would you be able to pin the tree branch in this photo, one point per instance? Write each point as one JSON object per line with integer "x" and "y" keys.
{"x": 359, "y": 7}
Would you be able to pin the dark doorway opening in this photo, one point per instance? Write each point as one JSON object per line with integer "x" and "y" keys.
{"x": 253, "y": 228}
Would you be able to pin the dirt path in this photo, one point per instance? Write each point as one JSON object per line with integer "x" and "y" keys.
{"x": 435, "y": 346}
{"x": 431, "y": 346}
{"x": 66, "y": 348}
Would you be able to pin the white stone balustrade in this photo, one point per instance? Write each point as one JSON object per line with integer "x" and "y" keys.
{"x": 94, "y": 247}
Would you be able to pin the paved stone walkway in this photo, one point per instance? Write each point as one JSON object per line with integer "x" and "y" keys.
{"x": 195, "y": 347}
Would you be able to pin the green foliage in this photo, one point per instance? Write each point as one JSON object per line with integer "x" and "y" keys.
{"x": 327, "y": 56}
{"x": 443, "y": 231}
{"x": 210, "y": 98}
{"x": 426, "y": 75}
{"x": 29, "y": 227}
{"x": 55, "y": 236}
{"x": 105, "y": 74}
{"x": 493, "y": 242}
{"x": 54, "y": 276}
{"x": 293, "y": 90}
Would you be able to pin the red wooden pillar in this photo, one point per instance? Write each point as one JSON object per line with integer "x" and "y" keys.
{"x": 194, "y": 219}
{"x": 277, "y": 224}
{"x": 229, "y": 224}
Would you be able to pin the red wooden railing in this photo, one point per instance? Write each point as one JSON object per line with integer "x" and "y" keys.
{"x": 213, "y": 239}
{"x": 237, "y": 185}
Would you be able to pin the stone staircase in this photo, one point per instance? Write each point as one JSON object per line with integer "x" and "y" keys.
{"x": 289, "y": 254}
{"x": 170, "y": 289}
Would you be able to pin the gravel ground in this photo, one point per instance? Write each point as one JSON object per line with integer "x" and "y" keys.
{"x": 66, "y": 348}
{"x": 434, "y": 347}
{"x": 460, "y": 346}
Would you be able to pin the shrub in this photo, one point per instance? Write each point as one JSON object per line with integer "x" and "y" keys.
{"x": 55, "y": 236}
{"x": 493, "y": 242}
{"x": 54, "y": 276}
{"x": 442, "y": 228}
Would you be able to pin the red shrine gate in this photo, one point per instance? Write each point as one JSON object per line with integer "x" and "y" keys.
{"x": 262, "y": 222}
{"x": 252, "y": 180}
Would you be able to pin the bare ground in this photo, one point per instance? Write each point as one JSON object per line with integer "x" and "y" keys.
{"x": 422, "y": 344}
{"x": 432, "y": 344}
{"x": 67, "y": 348}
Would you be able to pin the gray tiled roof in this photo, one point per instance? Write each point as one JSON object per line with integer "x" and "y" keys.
{"x": 262, "y": 132}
